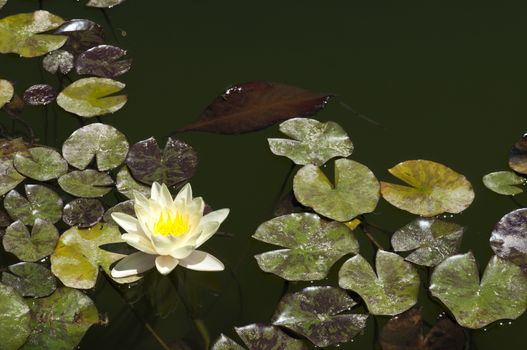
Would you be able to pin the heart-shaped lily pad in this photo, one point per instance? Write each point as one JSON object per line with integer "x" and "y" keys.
{"x": 60, "y": 61}
{"x": 42, "y": 164}
{"x": 104, "y": 142}
{"x": 392, "y": 290}
{"x": 87, "y": 183}
{"x": 6, "y": 92}
{"x": 434, "y": 188}
{"x": 126, "y": 207}
{"x": 312, "y": 142}
{"x": 41, "y": 203}
{"x": 356, "y": 190}
{"x": 126, "y": 184}
{"x": 518, "y": 156}
{"x": 509, "y": 238}
{"x": 317, "y": 314}
{"x": 260, "y": 337}
{"x": 30, "y": 279}
{"x": 103, "y": 61}
{"x": 30, "y": 246}
{"x": 501, "y": 294}
{"x": 433, "y": 240}
{"x": 92, "y": 97}
{"x": 504, "y": 182}
{"x": 174, "y": 164}
{"x": 9, "y": 177}
{"x": 78, "y": 255}
{"x": 40, "y": 95}
{"x": 14, "y": 318}
{"x": 83, "y": 212}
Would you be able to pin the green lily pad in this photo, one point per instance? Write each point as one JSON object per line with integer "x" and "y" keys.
{"x": 6, "y": 92}
{"x": 356, "y": 190}
{"x": 433, "y": 240}
{"x": 30, "y": 246}
{"x": 226, "y": 343}
{"x": 42, "y": 164}
{"x": 104, "y": 3}
{"x": 390, "y": 291}
{"x": 9, "y": 177}
{"x": 504, "y": 182}
{"x": 317, "y": 314}
{"x": 126, "y": 207}
{"x": 434, "y": 188}
{"x": 312, "y": 245}
{"x": 509, "y": 238}
{"x": 14, "y": 318}
{"x": 5, "y": 220}
{"x": 41, "y": 203}
{"x": 87, "y": 183}
{"x": 92, "y": 97}
{"x": 126, "y": 184}
{"x": 83, "y": 212}
{"x": 264, "y": 337}
{"x": 30, "y": 279}
{"x": 518, "y": 156}
{"x": 60, "y": 320}
{"x": 21, "y": 34}
{"x": 501, "y": 294}
{"x": 78, "y": 255}
{"x": 104, "y": 142}
{"x": 176, "y": 163}
{"x": 313, "y": 142}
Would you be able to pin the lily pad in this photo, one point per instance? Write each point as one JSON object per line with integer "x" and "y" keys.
{"x": 518, "y": 156}
{"x": 104, "y": 142}
{"x": 433, "y": 240}
{"x": 317, "y": 313}
{"x": 6, "y": 92}
{"x": 21, "y": 34}
{"x": 226, "y": 343}
{"x": 312, "y": 245}
{"x": 2, "y": 3}
{"x": 87, "y": 183}
{"x": 509, "y": 238}
{"x": 14, "y": 318}
{"x": 126, "y": 184}
{"x": 78, "y": 255}
{"x": 264, "y": 337}
{"x": 313, "y": 142}
{"x": 174, "y": 164}
{"x": 501, "y": 294}
{"x": 41, "y": 203}
{"x": 83, "y": 212}
{"x": 126, "y": 207}
{"x": 15, "y": 107}
{"x": 30, "y": 279}
{"x": 9, "y": 177}
{"x": 356, "y": 190}
{"x": 434, "y": 188}
{"x": 58, "y": 61}
{"x": 504, "y": 182}
{"x": 390, "y": 291}
{"x": 92, "y": 97}
{"x": 5, "y": 220}
{"x": 82, "y": 34}
{"x": 30, "y": 246}
{"x": 40, "y": 95}
{"x": 42, "y": 164}
{"x": 104, "y": 3}
{"x": 60, "y": 320}
{"x": 103, "y": 61}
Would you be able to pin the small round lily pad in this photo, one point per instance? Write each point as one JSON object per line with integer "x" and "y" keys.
{"x": 58, "y": 61}
{"x": 87, "y": 183}
{"x": 30, "y": 246}
{"x": 42, "y": 164}
{"x": 103, "y": 61}
{"x": 83, "y": 212}
{"x": 40, "y": 95}
{"x": 504, "y": 182}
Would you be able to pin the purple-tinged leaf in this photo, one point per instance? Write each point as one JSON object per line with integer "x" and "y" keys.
{"x": 40, "y": 95}
{"x": 82, "y": 34}
{"x": 103, "y": 61}
{"x": 83, "y": 212}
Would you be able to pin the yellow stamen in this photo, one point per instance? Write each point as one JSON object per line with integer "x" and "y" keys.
{"x": 171, "y": 225}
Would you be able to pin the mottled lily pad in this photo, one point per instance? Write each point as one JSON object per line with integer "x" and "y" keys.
{"x": 103, "y": 61}
{"x": 390, "y": 291}
{"x": 30, "y": 279}
{"x": 226, "y": 343}
{"x": 518, "y": 156}
{"x": 41, "y": 203}
{"x": 312, "y": 142}
{"x": 264, "y": 337}
{"x": 42, "y": 164}
{"x": 92, "y": 97}
{"x": 87, "y": 183}
{"x": 174, "y": 164}
{"x": 82, "y": 34}
{"x": 60, "y": 320}
{"x": 509, "y": 238}
{"x": 40, "y": 95}
{"x": 433, "y": 240}
{"x": 126, "y": 207}
{"x": 317, "y": 313}
{"x": 58, "y": 61}
{"x": 104, "y": 3}
{"x": 30, "y": 246}
{"x": 21, "y": 34}
{"x": 83, "y": 212}
{"x": 77, "y": 258}
{"x": 502, "y": 293}
{"x": 9, "y": 177}
{"x": 6, "y": 92}
{"x": 104, "y": 142}
{"x": 434, "y": 188}
{"x": 356, "y": 190}
{"x": 126, "y": 184}
{"x": 14, "y": 318}
{"x": 312, "y": 245}
{"x": 504, "y": 182}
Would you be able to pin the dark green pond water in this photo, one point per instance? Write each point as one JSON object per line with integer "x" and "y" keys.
{"x": 447, "y": 83}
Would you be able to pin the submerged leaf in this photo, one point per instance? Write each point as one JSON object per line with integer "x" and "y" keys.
{"x": 15, "y": 107}
{"x": 40, "y": 95}
{"x": 87, "y": 183}
{"x": 312, "y": 245}
{"x": 356, "y": 190}
{"x": 58, "y": 61}
{"x": 103, "y": 61}
{"x": 14, "y": 318}
{"x": 6, "y": 92}
{"x": 126, "y": 184}
{"x": 434, "y": 188}
{"x": 104, "y": 3}
{"x": 91, "y": 97}
{"x": 504, "y": 182}
{"x": 83, "y": 212}
{"x": 30, "y": 246}
{"x": 42, "y": 164}
{"x": 509, "y": 238}
{"x": 502, "y": 293}
{"x": 30, "y": 279}
{"x": 312, "y": 142}
{"x": 518, "y": 156}
{"x": 263, "y": 337}
{"x": 41, "y": 203}
{"x": 317, "y": 314}
{"x": 257, "y": 105}
{"x": 9, "y": 148}
{"x": 82, "y": 34}
{"x": 390, "y": 291}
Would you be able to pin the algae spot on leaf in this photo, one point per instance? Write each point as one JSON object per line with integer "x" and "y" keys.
{"x": 504, "y": 182}
{"x": 30, "y": 279}
{"x": 87, "y": 183}
{"x": 41, "y": 164}
{"x": 83, "y": 212}
{"x": 6, "y": 92}
{"x": 14, "y": 318}
{"x": 103, "y": 61}
{"x": 509, "y": 238}
{"x": 30, "y": 246}
{"x": 41, "y": 203}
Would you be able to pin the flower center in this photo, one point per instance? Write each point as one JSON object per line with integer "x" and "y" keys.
{"x": 171, "y": 225}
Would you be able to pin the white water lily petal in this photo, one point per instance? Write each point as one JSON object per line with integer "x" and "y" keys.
{"x": 128, "y": 223}
{"x": 185, "y": 194}
{"x": 155, "y": 191}
{"x": 164, "y": 197}
{"x": 165, "y": 264}
{"x": 202, "y": 261}
{"x": 139, "y": 242}
{"x": 183, "y": 252}
{"x": 218, "y": 216}
{"x": 207, "y": 229}
{"x": 133, "y": 264}
{"x": 164, "y": 245}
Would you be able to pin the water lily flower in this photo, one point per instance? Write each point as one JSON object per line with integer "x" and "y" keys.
{"x": 167, "y": 233}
